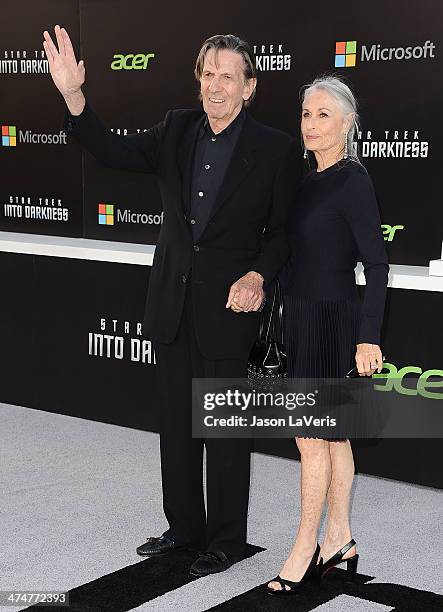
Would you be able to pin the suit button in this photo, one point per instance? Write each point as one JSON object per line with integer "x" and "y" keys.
{"x": 196, "y": 248}
{"x": 184, "y": 279}
{"x": 185, "y": 217}
{"x": 193, "y": 221}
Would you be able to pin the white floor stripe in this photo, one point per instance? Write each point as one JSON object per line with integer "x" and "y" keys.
{"x": 345, "y": 603}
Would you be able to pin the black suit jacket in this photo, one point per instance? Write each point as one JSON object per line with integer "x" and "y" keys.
{"x": 245, "y": 230}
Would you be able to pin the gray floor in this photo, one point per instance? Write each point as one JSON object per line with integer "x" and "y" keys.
{"x": 78, "y": 496}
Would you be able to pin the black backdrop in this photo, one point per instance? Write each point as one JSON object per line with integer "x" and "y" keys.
{"x": 53, "y": 304}
{"x": 398, "y": 99}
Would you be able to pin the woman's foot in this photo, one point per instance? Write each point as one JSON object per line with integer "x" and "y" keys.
{"x": 295, "y": 566}
{"x": 332, "y": 545}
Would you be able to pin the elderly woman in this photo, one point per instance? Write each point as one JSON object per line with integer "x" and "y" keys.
{"x": 335, "y": 222}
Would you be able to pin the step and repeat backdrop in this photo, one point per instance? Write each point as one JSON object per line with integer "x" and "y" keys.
{"x": 72, "y": 335}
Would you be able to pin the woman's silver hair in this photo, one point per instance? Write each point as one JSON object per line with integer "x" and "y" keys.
{"x": 335, "y": 86}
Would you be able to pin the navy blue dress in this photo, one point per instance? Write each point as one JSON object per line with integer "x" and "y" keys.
{"x": 334, "y": 223}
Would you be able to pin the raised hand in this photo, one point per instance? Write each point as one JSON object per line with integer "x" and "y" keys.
{"x": 67, "y": 74}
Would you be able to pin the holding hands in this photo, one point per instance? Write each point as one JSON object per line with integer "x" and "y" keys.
{"x": 246, "y": 294}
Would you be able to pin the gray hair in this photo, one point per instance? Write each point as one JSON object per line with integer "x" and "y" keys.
{"x": 231, "y": 43}
{"x": 335, "y": 86}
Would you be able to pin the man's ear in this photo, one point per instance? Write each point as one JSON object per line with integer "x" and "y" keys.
{"x": 251, "y": 85}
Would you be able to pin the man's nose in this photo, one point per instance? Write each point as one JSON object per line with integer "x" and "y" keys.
{"x": 214, "y": 84}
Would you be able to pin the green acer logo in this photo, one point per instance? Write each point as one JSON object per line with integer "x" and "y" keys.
{"x": 394, "y": 381}
{"x": 132, "y": 61}
{"x": 389, "y": 231}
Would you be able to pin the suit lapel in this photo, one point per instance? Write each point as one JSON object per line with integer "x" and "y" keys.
{"x": 241, "y": 164}
{"x": 185, "y": 159}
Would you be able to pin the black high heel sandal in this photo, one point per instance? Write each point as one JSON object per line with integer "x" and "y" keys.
{"x": 311, "y": 574}
{"x": 351, "y": 562}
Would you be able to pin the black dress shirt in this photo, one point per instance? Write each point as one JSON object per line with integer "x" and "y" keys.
{"x": 212, "y": 155}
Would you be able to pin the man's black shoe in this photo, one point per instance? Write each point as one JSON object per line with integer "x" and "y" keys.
{"x": 158, "y": 546}
{"x": 211, "y": 562}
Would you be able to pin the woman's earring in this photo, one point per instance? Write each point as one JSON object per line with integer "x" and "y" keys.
{"x": 345, "y": 156}
{"x": 305, "y": 154}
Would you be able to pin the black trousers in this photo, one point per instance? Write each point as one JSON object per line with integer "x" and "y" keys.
{"x": 222, "y": 526}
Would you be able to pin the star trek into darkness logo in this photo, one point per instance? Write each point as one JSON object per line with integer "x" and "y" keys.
{"x": 37, "y": 208}
{"x": 390, "y": 143}
{"x": 23, "y": 62}
{"x": 121, "y": 340}
{"x": 270, "y": 57}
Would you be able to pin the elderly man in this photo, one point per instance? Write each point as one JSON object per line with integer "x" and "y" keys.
{"x": 226, "y": 182}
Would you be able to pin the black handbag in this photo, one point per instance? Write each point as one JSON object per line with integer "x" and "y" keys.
{"x": 267, "y": 363}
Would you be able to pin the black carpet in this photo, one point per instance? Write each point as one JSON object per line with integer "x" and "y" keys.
{"x": 136, "y": 584}
{"x": 400, "y": 598}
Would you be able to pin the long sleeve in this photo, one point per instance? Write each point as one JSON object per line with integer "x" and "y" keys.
{"x": 275, "y": 247}
{"x": 135, "y": 152}
{"x": 361, "y": 211}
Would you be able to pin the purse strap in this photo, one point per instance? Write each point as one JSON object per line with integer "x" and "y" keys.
{"x": 264, "y": 312}
{"x": 277, "y": 320}
{"x": 271, "y": 325}
{"x": 274, "y": 323}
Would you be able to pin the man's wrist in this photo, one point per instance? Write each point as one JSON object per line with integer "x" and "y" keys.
{"x": 75, "y": 102}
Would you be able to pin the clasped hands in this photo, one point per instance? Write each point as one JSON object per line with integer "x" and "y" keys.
{"x": 246, "y": 294}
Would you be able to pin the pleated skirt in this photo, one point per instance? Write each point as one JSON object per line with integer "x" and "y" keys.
{"x": 320, "y": 337}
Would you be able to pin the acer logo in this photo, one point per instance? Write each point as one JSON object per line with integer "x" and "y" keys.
{"x": 389, "y": 231}
{"x": 394, "y": 381}
{"x": 132, "y": 61}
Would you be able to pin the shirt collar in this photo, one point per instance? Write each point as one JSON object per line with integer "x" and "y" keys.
{"x": 229, "y": 130}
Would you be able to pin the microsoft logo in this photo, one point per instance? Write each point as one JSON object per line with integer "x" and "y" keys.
{"x": 110, "y": 214}
{"x": 106, "y": 214}
{"x": 345, "y": 54}
{"x": 9, "y": 136}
